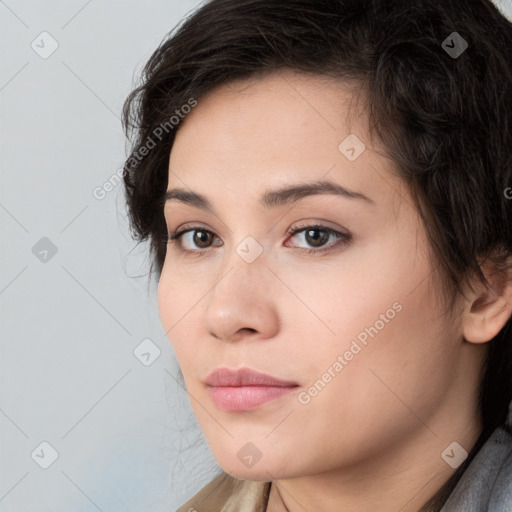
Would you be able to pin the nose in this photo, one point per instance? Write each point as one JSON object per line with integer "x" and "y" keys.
{"x": 242, "y": 304}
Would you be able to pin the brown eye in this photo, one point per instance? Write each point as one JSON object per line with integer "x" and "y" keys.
{"x": 316, "y": 240}
{"x": 202, "y": 238}
{"x": 317, "y": 236}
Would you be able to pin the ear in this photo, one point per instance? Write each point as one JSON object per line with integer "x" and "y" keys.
{"x": 487, "y": 310}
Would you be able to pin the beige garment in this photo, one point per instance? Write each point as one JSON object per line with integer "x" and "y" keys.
{"x": 213, "y": 496}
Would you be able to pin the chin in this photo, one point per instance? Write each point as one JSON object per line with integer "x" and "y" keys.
{"x": 252, "y": 475}
{"x": 264, "y": 470}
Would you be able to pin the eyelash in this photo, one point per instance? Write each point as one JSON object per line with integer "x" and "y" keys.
{"x": 343, "y": 239}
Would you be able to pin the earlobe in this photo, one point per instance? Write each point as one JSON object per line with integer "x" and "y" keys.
{"x": 488, "y": 309}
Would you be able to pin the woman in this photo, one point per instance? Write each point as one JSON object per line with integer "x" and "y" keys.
{"x": 325, "y": 185}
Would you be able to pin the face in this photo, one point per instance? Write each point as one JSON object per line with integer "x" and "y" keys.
{"x": 331, "y": 292}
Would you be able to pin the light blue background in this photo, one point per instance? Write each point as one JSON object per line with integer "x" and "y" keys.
{"x": 124, "y": 432}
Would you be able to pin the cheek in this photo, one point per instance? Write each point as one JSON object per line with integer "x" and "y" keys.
{"x": 397, "y": 366}
{"x": 337, "y": 300}
{"x": 385, "y": 324}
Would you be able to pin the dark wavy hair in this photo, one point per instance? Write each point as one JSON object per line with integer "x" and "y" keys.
{"x": 445, "y": 121}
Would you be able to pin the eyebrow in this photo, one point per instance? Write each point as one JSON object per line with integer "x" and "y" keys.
{"x": 271, "y": 198}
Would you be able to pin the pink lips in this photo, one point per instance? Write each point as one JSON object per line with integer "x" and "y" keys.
{"x": 245, "y": 389}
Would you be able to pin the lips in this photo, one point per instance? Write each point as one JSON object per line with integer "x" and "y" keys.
{"x": 245, "y": 389}
{"x": 244, "y": 377}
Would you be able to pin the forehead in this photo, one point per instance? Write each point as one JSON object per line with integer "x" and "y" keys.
{"x": 296, "y": 103}
{"x": 270, "y": 131}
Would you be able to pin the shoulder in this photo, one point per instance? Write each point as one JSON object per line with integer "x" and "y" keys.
{"x": 240, "y": 494}
{"x": 212, "y": 497}
{"x": 487, "y": 482}
{"x": 501, "y": 492}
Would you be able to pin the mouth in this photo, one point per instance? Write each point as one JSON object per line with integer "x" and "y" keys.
{"x": 245, "y": 389}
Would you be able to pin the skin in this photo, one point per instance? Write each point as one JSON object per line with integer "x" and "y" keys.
{"x": 372, "y": 439}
